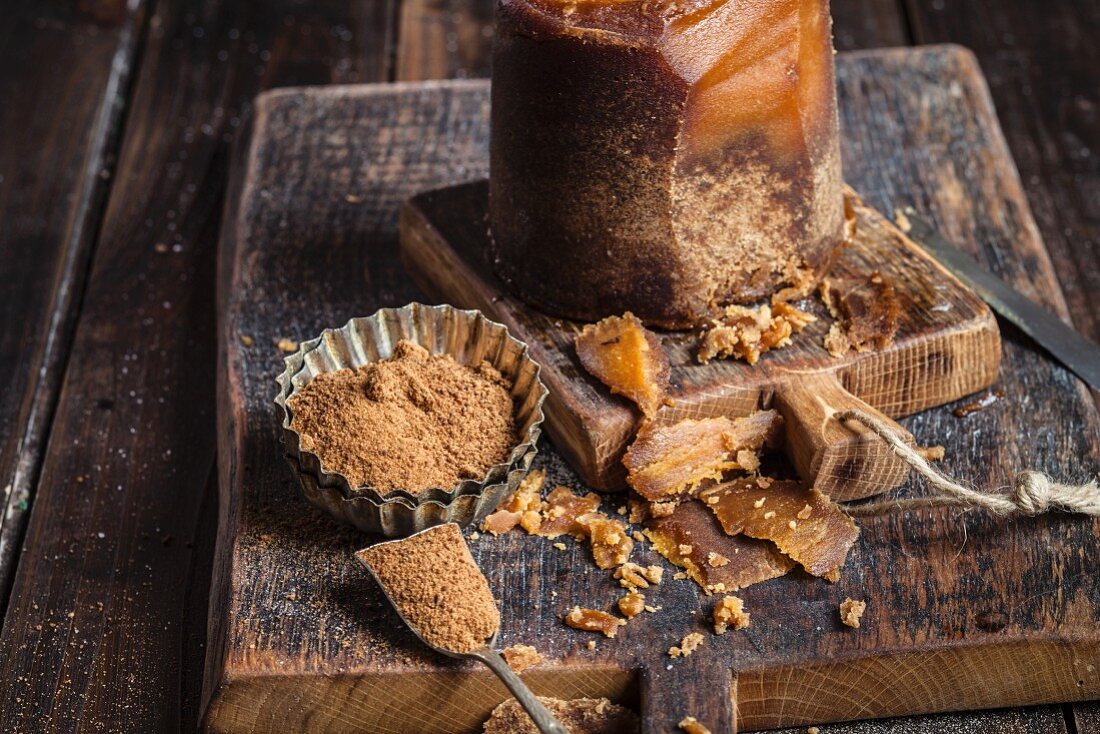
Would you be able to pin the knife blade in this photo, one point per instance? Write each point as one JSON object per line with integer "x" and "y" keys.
{"x": 1066, "y": 345}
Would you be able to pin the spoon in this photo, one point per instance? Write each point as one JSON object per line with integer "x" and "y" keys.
{"x": 540, "y": 715}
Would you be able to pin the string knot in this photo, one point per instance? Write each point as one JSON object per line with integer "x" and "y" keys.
{"x": 1032, "y": 492}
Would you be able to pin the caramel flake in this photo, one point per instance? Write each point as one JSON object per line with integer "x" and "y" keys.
{"x": 688, "y": 645}
{"x": 671, "y": 460}
{"x": 593, "y": 620}
{"x": 750, "y": 560}
{"x": 691, "y": 725}
{"x": 628, "y": 358}
{"x": 746, "y": 332}
{"x": 851, "y": 611}
{"x": 730, "y": 612}
{"x": 521, "y": 657}
{"x": 867, "y": 313}
{"x": 819, "y": 541}
{"x": 632, "y": 604}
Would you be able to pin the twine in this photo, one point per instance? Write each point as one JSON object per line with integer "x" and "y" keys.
{"x": 1033, "y": 492}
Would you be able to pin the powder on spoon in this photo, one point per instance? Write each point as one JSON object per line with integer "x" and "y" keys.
{"x": 432, "y": 580}
{"x": 413, "y": 422}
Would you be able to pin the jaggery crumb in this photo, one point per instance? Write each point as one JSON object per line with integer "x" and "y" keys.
{"x": 621, "y": 353}
{"x": 632, "y": 604}
{"x": 692, "y": 726}
{"x": 632, "y": 576}
{"x": 526, "y": 498}
{"x": 851, "y": 611}
{"x": 747, "y": 332}
{"x": 562, "y": 511}
{"x": 687, "y": 646}
{"x": 730, "y": 612}
{"x": 413, "y": 422}
{"x": 432, "y": 580}
{"x": 611, "y": 544}
{"x": 593, "y": 620}
{"x": 579, "y": 716}
{"x": 521, "y": 657}
{"x": 932, "y": 453}
{"x": 867, "y": 314}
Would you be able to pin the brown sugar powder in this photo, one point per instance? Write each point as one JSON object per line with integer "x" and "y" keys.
{"x": 433, "y": 581}
{"x": 414, "y": 421}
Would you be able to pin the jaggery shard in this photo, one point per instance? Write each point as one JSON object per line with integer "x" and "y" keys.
{"x": 866, "y": 312}
{"x": 562, "y": 512}
{"x": 666, "y": 461}
{"x": 803, "y": 523}
{"x": 522, "y": 507}
{"x": 610, "y": 539}
{"x": 693, "y": 540}
{"x": 746, "y": 333}
{"x": 666, "y": 158}
{"x": 628, "y": 358}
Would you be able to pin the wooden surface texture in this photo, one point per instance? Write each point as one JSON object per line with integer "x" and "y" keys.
{"x": 70, "y": 80}
{"x": 981, "y": 612}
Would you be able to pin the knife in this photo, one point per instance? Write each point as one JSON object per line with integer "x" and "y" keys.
{"x": 1066, "y": 345}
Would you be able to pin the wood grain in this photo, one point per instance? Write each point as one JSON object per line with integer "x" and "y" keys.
{"x": 56, "y": 164}
{"x": 112, "y": 580}
{"x": 312, "y": 242}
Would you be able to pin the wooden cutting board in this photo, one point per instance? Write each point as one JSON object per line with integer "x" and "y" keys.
{"x": 964, "y": 611}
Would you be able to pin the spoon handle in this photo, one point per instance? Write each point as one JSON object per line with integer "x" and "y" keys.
{"x": 541, "y": 715}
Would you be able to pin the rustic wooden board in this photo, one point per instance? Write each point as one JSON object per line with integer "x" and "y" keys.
{"x": 964, "y": 611}
{"x": 947, "y": 346}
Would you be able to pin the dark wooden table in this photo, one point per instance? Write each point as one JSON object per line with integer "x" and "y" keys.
{"x": 116, "y": 120}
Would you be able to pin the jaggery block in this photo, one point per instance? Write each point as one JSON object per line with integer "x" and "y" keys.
{"x": 579, "y": 716}
{"x": 867, "y": 314}
{"x": 611, "y": 543}
{"x": 593, "y": 620}
{"x": 692, "y": 533}
{"x": 666, "y": 158}
{"x": 521, "y": 657}
{"x": 526, "y": 498}
{"x": 730, "y": 612}
{"x": 851, "y": 611}
{"x": 628, "y": 358}
{"x": 746, "y": 333}
{"x": 562, "y": 511}
{"x": 803, "y": 523}
{"x": 670, "y": 460}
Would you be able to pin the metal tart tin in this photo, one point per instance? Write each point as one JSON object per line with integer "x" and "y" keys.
{"x": 467, "y": 336}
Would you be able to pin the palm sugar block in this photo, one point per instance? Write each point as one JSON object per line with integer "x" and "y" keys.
{"x": 664, "y": 158}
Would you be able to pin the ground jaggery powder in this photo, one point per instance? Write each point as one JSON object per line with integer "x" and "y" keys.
{"x": 414, "y": 421}
{"x": 437, "y": 587}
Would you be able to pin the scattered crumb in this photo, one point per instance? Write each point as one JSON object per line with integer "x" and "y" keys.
{"x": 591, "y": 645}
{"x": 851, "y": 611}
{"x": 632, "y": 576}
{"x": 580, "y": 716}
{"x": 560, "y": 546}
{"x": 632, "y": 604}
{"x": 813, "y": 730}
{"x": 593, "y": 620}
{"x": 730, "y": 611}
{"x": 867, "y": 313}
{"x": 692, "y": 726}
{"x": 746, "y": 332}
{"x": 353, "y": 199}
{"x": 688, "y": 645}
{"x": 521, "y": 657}
{"x": 287, "y": 345}
{"x": 474, "y": 535}
{"x": 975, "y": 406}
{"x": 247, "y": 340}
{"x": 932, "y": 453}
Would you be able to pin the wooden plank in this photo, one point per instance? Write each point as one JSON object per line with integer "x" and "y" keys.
{"x": 1034, "y": 720}
{"x": 980, "y": 611}
{"x": 860, "y": 24}
{"x": 56, "y": 162}
{"x": 114, "y": 577}
{"x": 1041, "y": 61}
{"x": 444, "y": 39}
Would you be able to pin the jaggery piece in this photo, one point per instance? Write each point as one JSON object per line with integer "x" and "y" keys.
{"x": 521, "y": 657}
{"x": 747, "y": 332}
{"x": 593, "y": 620}
{"x": 691, "y": 534}
{"x": 671, "y": 460}
{"x": 526, "y": 498}
{"x": 632, "y": 576}
{"x": 579, "y": 716}
{"x": 730, "y": 612}
{"x": 803, "y": 523}
{"x": 688, "y": 645}
{"x": 432, "y": 580}
{"x": 631, "y": 604}
{"x": 628, "y": 358}
{"x": 867, "y": 314}
{"x": 691, "y": 725}
{"x": 562, "y": 512}
{"x": 611, "y": 543}
{"x": 851, "y": 611}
